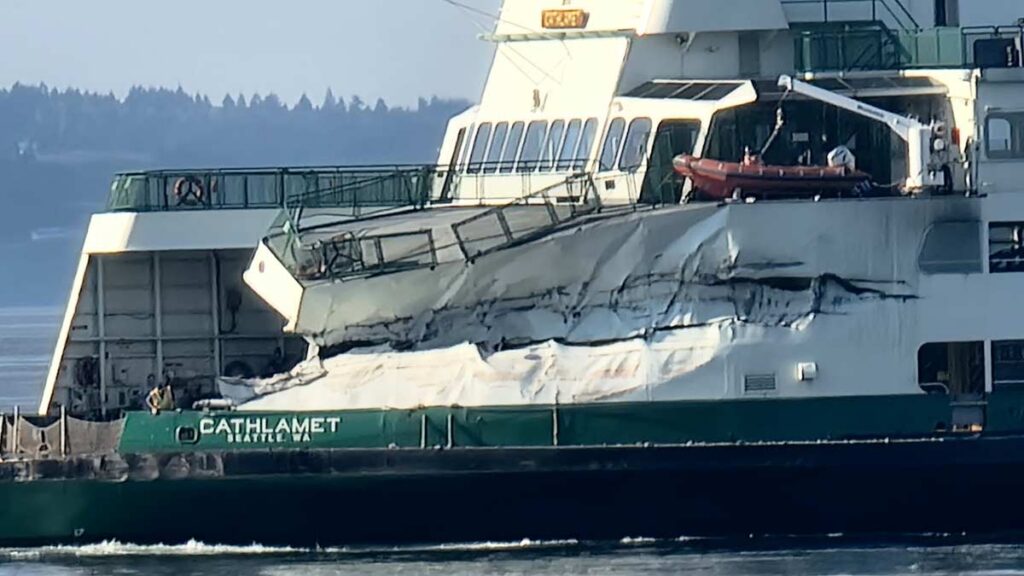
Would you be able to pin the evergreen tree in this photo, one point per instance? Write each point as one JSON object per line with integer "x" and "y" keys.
{"x": 330, "y": 102}
{"x": 304, "y": 105}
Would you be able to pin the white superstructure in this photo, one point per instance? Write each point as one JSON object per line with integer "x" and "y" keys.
{"x": 554, "y": 215}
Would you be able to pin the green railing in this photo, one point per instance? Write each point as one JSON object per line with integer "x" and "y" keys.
{"x": 356, "y": 188}
{"x": 325, "y": 251}
{"x": 865, "y": 49}
{"x": 893, "y": 14}
{"x": 508, "y": 224}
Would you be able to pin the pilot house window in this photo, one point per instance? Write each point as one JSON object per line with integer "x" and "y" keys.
{"x": 515, "y": 138}
{"x": 494, "y": 152}
{"x": 586, "y": 144}
{"x": 572, "y": 140}
{"x": 476, "y": 158}
{"x": 533, "y": 144}
{"x": 612, "y": 143}
{"x": 552, "y": 145}
{"x": 635, "y": 151}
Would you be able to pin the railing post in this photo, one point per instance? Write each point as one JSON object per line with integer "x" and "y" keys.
{"x": 63, "y": 431}
{"x": 554, "y": 425}
{"x": 423, "y": 431}
{"x": 433, "y": 248}
{"x": 451, "y": 430}
{"x": 282, "y": 193}
{"x": 503, "y": 222}
{"x": 15, "y": 441}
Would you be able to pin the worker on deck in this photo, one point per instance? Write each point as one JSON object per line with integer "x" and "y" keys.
{"x": 160, "y": 397}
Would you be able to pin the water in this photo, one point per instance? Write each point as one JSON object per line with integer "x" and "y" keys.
{"x": 27, "y": 336}
{"x": 516, "y": 558}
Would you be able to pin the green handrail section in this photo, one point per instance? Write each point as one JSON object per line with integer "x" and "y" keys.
{"x": 518, "y": 221}
{"x": 358, "y": 189}
{"x": 349, "y": 247}
{"x": 892, "y": 14}
{"x": 849, "y": 48}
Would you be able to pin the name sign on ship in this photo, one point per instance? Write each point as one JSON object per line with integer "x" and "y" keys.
{"x": 564, "y": 19}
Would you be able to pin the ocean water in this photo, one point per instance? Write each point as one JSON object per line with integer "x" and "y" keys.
{"x": 27, "y": 337}
{"x": 631, "y": 557}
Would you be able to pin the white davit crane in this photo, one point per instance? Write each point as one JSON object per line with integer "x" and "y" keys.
{"x": 921, "y": 139}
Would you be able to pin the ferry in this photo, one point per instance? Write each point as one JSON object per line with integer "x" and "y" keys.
{"x": 629, "y": 299}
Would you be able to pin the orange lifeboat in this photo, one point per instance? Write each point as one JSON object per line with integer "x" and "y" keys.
{"x": 718, "y": 180}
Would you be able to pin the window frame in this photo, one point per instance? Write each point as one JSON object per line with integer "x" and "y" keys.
{"x": 617, "y": 125}
{"x": 550, "y": 150}
{"x": 1015, "y": 120}
{"x": 474, "y": 164}
{"x": 508, "y": 163}
{"x": 464, "y": 155}
{"x": 566, "y": 154}
{"x": 538, "y": 128}
{"x": 496, "y": 147}
{"x": 1005, "y": 238}
{"x": 584, "y": 149}
{"x": 644, "y": 149}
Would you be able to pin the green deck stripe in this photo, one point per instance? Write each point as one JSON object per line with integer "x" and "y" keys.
{"x": 764, "y": 420}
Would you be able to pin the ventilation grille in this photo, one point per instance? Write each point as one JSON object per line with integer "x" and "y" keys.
{"x": 757, "y": 383}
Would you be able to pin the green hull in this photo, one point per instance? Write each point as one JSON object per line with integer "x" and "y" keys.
{"x": 852, "y": 465}
{"x": 773, "y": 420}
{"x": 348, "y": 497}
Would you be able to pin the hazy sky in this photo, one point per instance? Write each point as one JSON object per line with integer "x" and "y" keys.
{"x": 396, "y": 49}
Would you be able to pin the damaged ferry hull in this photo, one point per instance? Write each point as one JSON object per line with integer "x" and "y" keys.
{"x": 305, "y": 498}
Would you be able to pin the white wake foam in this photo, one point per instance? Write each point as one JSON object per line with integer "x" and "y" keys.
{"x": 114, "y": 549}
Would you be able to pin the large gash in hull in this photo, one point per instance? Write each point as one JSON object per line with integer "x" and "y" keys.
{"x": 647, "y": 304}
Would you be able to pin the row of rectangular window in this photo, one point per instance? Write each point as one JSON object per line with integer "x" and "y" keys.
{"x": 560, "y": 146}
{"x": 537, "y": 147}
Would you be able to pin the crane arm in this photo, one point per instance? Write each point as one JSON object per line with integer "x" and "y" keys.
{"x": 901, "y": 125}
{"x": 917, "y": 135}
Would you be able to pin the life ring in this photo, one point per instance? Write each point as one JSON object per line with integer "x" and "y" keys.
{"x": 189, "y": 191}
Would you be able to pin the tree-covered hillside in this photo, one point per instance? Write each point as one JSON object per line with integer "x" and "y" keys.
{"x": 60, "y": 148}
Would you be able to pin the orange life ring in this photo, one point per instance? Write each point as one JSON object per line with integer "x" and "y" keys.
{"x": 189, "y": 191}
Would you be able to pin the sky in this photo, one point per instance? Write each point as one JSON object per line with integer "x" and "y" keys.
{"x": 395, "y": 49}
